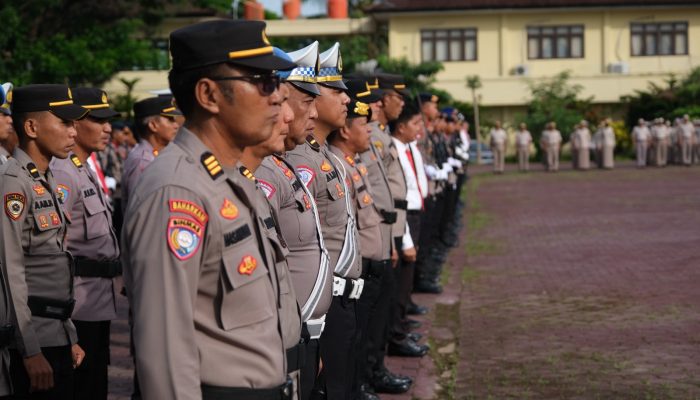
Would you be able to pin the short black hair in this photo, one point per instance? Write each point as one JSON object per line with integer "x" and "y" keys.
{"x": 182, "y": 85}
{"x": 18, "y": 120}
{"x": 409, "y": 111}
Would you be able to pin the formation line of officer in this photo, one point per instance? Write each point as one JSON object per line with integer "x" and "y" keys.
{"x": 277, "y": 217}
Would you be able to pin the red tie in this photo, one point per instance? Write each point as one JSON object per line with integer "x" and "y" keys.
{"x": 415, "y": 174}
{"x": 100, "y": 174}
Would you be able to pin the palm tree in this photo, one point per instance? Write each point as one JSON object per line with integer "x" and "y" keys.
{"x": 473, "y": 83}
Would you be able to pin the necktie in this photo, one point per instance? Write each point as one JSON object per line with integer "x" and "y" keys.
{"x": 415, "y": 174}
{"x": 100, "y": 175}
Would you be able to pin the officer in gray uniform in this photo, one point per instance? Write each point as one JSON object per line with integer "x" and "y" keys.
{"x": 155, "y": 125}
{"x": 33, "y": 247}
{"x": 199, "y": 271}
{"x": 5, "y": 119}
{"x": 6, "y": 330}
{"x": 320, "y": 173}
{"x": 91, "y": 240}
{"x": 297, "y": 214}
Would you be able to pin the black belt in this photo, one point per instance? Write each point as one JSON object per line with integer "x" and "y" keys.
{"x": 282, "y": 392}
{"x": 398, "y": 242}
{"x": 373, "y": 268}
{"x": 400, "y": 204}
{"x": 51, "y": 308}
{"x": 296, "y": 357}
{"x": 389, "y": 216}
{"x": 7, "y": 335}
{"x": 414, "y": 212}
{"x": 97, "y": 269}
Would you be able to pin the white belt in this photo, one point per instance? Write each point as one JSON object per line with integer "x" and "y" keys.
{"x": 316, "y": 326}
{"x": 339, "y": 287}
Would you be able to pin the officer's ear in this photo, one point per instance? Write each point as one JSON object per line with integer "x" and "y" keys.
{"x": 31, "y": 125}
{"x": 209, "y": 95}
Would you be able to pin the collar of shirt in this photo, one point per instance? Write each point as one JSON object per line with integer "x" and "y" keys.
{"x": 413, "y": 194}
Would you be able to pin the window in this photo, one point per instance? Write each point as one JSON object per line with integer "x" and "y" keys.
{"x": 448, "y": 44}
{"x": 659, "y": 39}
{"x": 544, "y": 42}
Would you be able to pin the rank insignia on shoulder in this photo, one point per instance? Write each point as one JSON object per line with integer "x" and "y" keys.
{"x": 211, "y": 164}
{"x": 62, "y": 193}
{"x": 379, "y": 145}
{"x": 184, "y": 237}
{"x": 246, "y": 172}
{"x": 33, "y": 171}
{"x": 228, "y": 209}
{"x": 76, "y": 161}
{"x": 267, "y": 188}
{"x": 14, "y": 205}
{"x": 326, "y": 166}
{"x": 189, "y": 208}
{"x": 313, "y": 143}
{"x": 39, "y": 190}
{"x": 306, "y": 174}
{"x": 247, "y": 265}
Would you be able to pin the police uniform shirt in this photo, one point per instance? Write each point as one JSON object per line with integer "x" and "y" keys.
{"x": 381, "y": 193}
{"x": 368, "y": 218}
{"x": 276, "y": 255}
{"x": 523, "y": 139}
{"x": 641, "y": 134}
{"x": 34, "y": 253}
{"x": 297, "y": 224}
{"x": 323, "y": 181}
{"x": 140, "y": 157}
{"x": 397, "y": 183}
{"x": 90, "y": 235}
{"x": 204, "y": 300}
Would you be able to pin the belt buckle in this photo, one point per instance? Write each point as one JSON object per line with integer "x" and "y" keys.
{"x": 286, "y": 390}
{"x": 357, "y": 286}
{"x": 338, "y": 286}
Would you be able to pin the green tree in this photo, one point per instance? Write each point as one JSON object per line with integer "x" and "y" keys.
{"x": 557, "y": 100}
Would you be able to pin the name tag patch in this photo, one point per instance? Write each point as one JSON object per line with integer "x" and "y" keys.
{"x": 237, "y": 235}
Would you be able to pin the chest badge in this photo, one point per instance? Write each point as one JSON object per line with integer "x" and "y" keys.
{"x": 228, "y": 209}
{"x": 63, "y": 193}
{"x": 247, "y": 265}
{"x": 14, "y": 205}
{"x": 366, "y": 199}
{"x": 307, "y": 202}
{"x": 326, "y": 166}
{"x": 39, "y": 190}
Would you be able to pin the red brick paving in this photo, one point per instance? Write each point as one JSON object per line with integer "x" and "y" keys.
{"x": 587, "y": 288}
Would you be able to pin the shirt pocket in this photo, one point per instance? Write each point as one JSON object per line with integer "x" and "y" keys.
{"x": 248, "y": 296}
{"x": 96, "y": 221}
{"x": 336, "y": 213}
{"x": 46, "y": 220}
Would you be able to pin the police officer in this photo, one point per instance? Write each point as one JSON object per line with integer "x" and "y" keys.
{"x": 550, "y": 141}
{"x": 33, "y": 246}
{"x": 297, "y": 215}
{"x": 499, "y": 140}
{"x": 204, "y": 293}
{"x": 91, "y": 240}
{"x": 6, "y": 330}
{"x": 320, "y": 174}
{"x": 155, "y": 125}
{"x": 641, "y": 137}
{"x": 289, "y": 311}
{"x": 5, "y": 119}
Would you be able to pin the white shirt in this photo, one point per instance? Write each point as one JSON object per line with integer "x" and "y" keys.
{"x": 523, "y": 138}
{"x": 641, "y": 133}
{"x": 413, "y": 194}
{"x": 584, "y": 138}
{"x": 686, "y": 130}
{"x": 420, "y": 167}
{"x": 605, "y": 137}
{"x": 551, "y": 137}
{"x": 464, "y": 147}
{"x": 498, "y": 136}
{"x": 659, "y": 131}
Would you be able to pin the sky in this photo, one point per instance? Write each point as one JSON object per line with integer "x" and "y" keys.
{"x": 309, "y": 7}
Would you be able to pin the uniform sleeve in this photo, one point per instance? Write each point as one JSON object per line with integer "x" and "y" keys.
{"x": 12, "y": 256}
{"x": 161, "y": 272}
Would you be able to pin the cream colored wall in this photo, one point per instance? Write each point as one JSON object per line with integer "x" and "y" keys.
{"x": 502, "y": 45}
{"x": 148, "y": 80}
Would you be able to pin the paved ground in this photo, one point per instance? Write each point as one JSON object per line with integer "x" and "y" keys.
{"x": 567, "y": 286}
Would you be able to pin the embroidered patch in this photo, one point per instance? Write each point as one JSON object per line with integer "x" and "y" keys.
{"x": 248, "y": 265}
{"x": 363, "y": 170}
{"x": 366, "y": 199}
{"x": 228, "y": 209}
{"x": 306, "y": 174}
{"x": 14, "y": 205}
{"x": 379, "y": 145}
{"x": 288, "y": 173}
{"x": 356, "y": 177}
{"x": 233, "y": 237}
{"x": 307, "y": 202}
{"x": 39, "y": 190}
{"x": 325, "y": 166}
{"x": 189, "y": 208}
{"x": 184, "y": 237}
{"x": 55, "y": 221}
{"x": 267, "y": 188}
{"x": 350, "y": 161}
{"x": 63, "y": 193}
{"x": 43, "y": 222}
{"x": 339, "y": 189}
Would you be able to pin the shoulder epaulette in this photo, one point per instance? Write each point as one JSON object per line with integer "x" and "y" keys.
{"x": 211, "y": 164}
{"x": 76, "y": 161}
{"x": 246, "y": 172}
{"x": 33, "y": 171}
{"x": 313, "y": 143}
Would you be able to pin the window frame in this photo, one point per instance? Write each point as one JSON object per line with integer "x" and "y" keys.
{"x": 466, "y": 35}
{"x": 555, "y": 36}
{"x": 657, "y": 37}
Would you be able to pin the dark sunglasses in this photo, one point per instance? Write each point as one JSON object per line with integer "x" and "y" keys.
{"x": 266, "y": 84}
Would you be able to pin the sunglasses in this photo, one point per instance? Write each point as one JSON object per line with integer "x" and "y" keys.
{"x": 266, "y": 84}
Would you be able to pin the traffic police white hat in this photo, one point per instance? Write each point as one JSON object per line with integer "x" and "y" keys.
{"x": 330, "y": 73}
